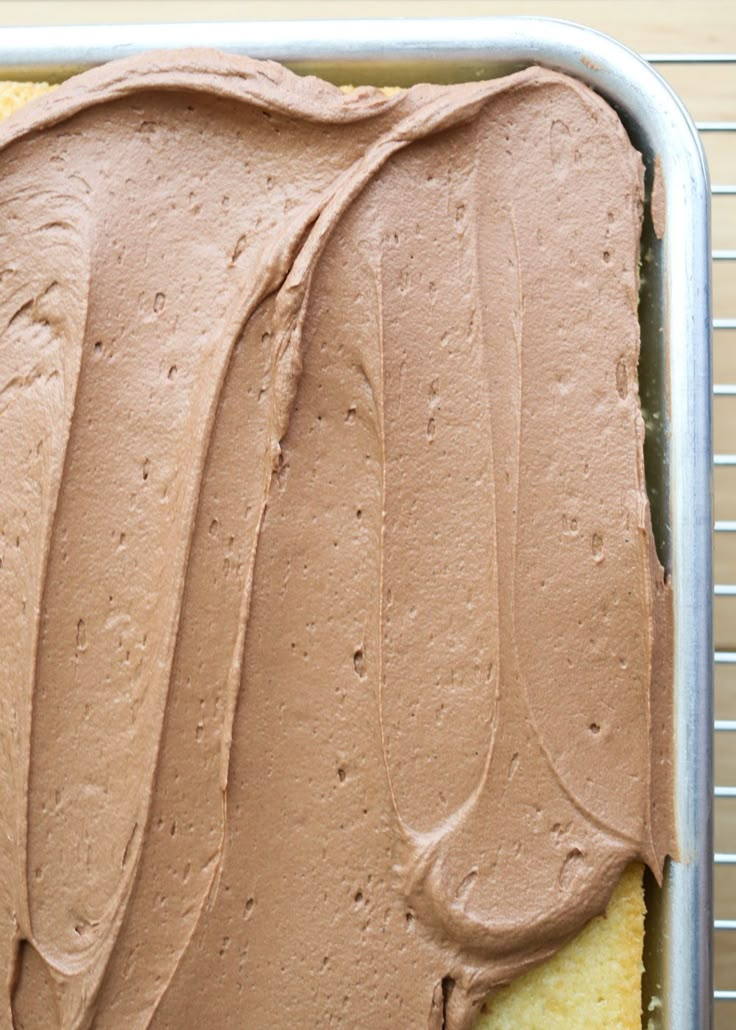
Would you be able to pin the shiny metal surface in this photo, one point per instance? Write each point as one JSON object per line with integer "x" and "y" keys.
{"x": 675, "y": 368}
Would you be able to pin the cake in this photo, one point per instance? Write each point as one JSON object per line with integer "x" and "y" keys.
{"x": 336, "y": 646}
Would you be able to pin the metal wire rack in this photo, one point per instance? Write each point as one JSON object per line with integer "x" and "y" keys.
{"x": 61, "y": 50}
{"x": 719, "y": 139}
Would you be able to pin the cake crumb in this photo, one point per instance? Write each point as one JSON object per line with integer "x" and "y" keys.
{"x": 15, "y": 94}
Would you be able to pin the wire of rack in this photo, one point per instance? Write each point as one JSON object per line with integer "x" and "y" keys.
{"x": 721, "y": 131}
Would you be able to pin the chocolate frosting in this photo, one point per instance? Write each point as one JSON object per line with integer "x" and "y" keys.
{"x": 335, "y": 651}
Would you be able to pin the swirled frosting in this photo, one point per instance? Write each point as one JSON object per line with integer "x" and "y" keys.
{"x": 334, "y": 648}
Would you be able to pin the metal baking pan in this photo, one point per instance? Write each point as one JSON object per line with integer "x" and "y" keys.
{"x": 675, "y": 371}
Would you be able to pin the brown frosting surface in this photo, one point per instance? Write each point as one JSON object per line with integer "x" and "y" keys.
{"x": 334, "y": 648}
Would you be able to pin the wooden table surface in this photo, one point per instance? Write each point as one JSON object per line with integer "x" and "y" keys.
{"x": 649, "y": 26}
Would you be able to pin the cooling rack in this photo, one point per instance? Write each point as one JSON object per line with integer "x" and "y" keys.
{"x": 715, "y": 112}
{"x": 402, "y": 51}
